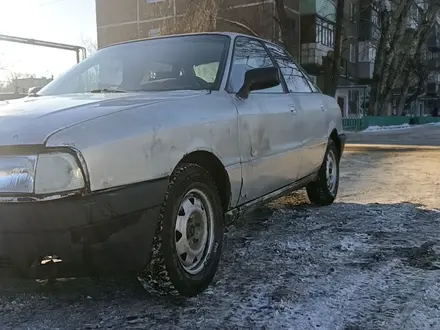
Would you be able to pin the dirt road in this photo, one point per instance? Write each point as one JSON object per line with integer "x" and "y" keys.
{"x": 370, "y": 261}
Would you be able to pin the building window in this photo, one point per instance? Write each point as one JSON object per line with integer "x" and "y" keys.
{"x": 352, "y": 12}
{"x": 352, "y": 53}
{"x": 325, "y": 31}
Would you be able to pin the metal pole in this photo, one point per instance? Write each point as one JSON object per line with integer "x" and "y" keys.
{"x": 365, "y": 97}
{"x": 43, "y": 43}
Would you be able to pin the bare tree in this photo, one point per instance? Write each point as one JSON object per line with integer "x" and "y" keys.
{"x": 204, "y": 16}
{"x": 398, "y": 51}
{"x": 336, "y": 59}
{"x": 89, "y": 44}
{"x": 284, "y": 25}
{"x": 393, "y": 20}
{"x": 12, "y": 83}
{"x": 414, "y": 78}
{"x": 200, "y": 16}
{"x": 333, "y": 59}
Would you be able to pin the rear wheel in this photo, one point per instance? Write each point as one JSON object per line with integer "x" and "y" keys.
{"x": 323, "y": 191}
{"x": 189, "y": 237}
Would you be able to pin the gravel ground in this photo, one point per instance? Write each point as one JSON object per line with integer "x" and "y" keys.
{"x": 370, "y": 261}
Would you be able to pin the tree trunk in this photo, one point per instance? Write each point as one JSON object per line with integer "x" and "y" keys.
{"x": 392, "y": 23}
{"x": 339, "y": 31}
{"x": 375, "y": 94}
{"x": 401, "y": 105}
{"x": 405, "y": 57}
{"x": 418, "y": 69}
{"x": 397, "y": 33}
{"x": 283, "y": 21}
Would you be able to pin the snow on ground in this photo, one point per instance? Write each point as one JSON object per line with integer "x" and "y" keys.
{"x": 386, "y": 128}
{"x": 395, "y": 127}
{"x": 370, "y": 261}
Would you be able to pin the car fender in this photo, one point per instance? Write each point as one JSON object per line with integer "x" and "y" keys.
{"x": 146, "y": 143}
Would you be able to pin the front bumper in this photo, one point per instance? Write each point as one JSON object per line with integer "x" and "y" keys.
{"x": 109, "y": 232}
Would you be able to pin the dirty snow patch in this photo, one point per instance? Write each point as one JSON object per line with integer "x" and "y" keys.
{"x": 387, "y": 128}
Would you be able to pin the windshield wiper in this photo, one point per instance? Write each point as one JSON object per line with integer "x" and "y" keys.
{"x": 106, "y": 90}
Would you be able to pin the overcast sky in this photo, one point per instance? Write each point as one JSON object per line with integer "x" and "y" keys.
{"x": 65, "y": 21}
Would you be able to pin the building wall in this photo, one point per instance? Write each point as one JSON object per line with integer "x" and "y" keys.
{"x": 123, "y": 20}
{"x": 350, "y": 46}
{"x": 308, "y": 7}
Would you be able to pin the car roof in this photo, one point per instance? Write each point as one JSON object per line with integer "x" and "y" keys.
{"x": 232, "y": 35}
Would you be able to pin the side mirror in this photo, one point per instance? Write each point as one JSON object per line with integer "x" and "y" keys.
{"x": 257, "y": 79}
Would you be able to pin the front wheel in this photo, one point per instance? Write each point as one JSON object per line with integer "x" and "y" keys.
{"x": 323, "y": 191}
{"x": 189, "y": 237}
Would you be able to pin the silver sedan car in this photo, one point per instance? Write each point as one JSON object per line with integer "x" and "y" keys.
{"x": 132, "y": 161}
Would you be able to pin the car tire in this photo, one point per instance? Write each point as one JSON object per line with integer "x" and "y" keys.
{"x": 189, "y": 237}
{"x": 324, "y": 190}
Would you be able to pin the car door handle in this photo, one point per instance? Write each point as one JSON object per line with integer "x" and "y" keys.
{"x": 323, "y": 108}
{"x": 293, "y": 110}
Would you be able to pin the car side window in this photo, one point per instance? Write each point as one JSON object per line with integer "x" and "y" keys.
{"x": 313, "y": 86}
{"x": 249, "y": 54}
{"x": 295, "y": 79}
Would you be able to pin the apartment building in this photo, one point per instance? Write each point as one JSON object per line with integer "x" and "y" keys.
{"x": 313, "y": 23}
{"x": 360, "y": 35}
{"x": 22, "y": 85}
{"x": 136, "y": 19}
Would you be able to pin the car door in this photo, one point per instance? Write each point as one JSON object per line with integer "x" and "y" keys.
{"x": 270, "y": 150}
{"x": 311, "y": 118}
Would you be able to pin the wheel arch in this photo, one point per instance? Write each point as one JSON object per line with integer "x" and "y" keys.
{"x": 334, "y": 136}
{"x": 213, "y": 165}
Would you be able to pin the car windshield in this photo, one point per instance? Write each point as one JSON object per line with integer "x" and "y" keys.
{"x": 166, "y": 64}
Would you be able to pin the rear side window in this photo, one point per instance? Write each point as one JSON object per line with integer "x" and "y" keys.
{"x": 313, "y": 86}
{"x": 296, "y": 80}
{"x": 249, "y": 54}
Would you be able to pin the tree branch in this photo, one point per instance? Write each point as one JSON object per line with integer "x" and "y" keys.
{"x": 241, "y": 25}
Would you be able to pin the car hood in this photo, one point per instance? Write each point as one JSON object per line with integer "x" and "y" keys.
{"x": 32, "y": 120}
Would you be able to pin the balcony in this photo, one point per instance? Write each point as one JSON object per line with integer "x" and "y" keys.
{"x": 312, "y": 55}
{"x": 431, "y": 59}
{"x": 318, "y": 36}
{"x": 365, "y": 70}
{"x": 366, "y": 57}
{"x": 323, "y": 8}
{"x": 432, "y": 88}
{"x": 433, "y": 42}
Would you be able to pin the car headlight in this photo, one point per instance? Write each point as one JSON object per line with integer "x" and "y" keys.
{"x": 43, "y": 174}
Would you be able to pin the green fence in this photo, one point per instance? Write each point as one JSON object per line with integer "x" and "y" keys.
{"x": 359, "y": 124}
{"x": 353, "y": 124}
